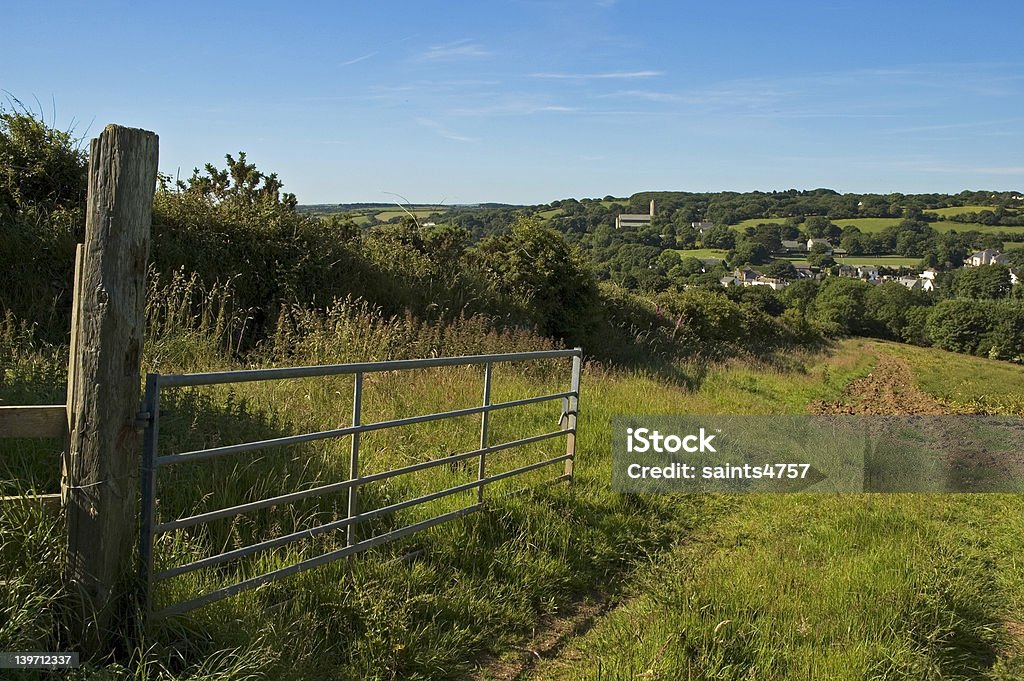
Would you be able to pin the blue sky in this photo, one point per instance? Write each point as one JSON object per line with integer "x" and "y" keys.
{"x": 530, "y": 101}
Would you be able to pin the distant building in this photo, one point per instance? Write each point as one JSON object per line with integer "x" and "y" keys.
{"x": 912, "y": 283}
{"x": 804, "y": 272}
{"x": 811, "y": 243}
{"x": 868, "y": 272}
{"x": 634, "y": 219}
{"x": 771, "y": 282}
{"x": 1016, "y": 276}
{"x": 749, "y": 277}
{"x": 988, "y": 256}
{"x": 702, "y": 226}
{"x": 794, "y": 246}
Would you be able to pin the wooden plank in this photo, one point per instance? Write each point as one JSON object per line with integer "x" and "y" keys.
{"x": 103, "y": 463}
{"x": 33, "y": 421}
{"x": 50, "y": 501}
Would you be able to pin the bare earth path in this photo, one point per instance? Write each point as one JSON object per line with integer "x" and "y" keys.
{"x": 889, "y": 390}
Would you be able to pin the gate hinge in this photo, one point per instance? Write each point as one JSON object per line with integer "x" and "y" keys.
{"x": 143, "y": 419}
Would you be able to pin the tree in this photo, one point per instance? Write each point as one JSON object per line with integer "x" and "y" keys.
{"x": 749, "y": 253}
{"x": 239, "y": 183}
{"x": 959, "y": 325}
{"x": 890, "y": 309}
{"x": 535, "y": 267}
{"x": 990, "y": 281}
{"x": 840, "y": 306}
{"x": 719, "y": 237}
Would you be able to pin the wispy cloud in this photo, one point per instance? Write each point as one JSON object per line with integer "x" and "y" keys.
{"x": 359, "y": 59}
{"x": 513, "y": 106}
{"x": 459, "y": 49}
{"x": 445, "y": 132}
{"x": 608, "y": 75}
{"x": 648, "y": 95}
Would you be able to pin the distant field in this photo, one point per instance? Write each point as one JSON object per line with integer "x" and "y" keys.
{"x": 703, "y": 253}
{"x": 1013, "y": 245}
{"x": 947, "y": 226}
{"x": 866, "y": 225}
{"x": 959, "y": 210}
{"x": 363, "y": 216}
{"x": 877, "y": 260}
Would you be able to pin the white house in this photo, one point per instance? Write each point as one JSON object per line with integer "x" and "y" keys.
{"x": 811, "y": 243}
{"x": 1016, "y": 276}
{"x": 986, "y": 257}
{"x": 869, "y": 272}
{"x": 772, "y": 282}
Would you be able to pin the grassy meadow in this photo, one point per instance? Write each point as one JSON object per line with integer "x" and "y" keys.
{"x": 900, "y": 586}
{"x": 703, "y": 253}
{"x": 702, "y": 586}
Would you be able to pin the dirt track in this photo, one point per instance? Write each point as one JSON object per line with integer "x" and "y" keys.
{"x": 889, "y": 390}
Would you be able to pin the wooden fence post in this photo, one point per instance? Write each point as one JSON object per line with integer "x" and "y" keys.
{"x": 104, "y": 451}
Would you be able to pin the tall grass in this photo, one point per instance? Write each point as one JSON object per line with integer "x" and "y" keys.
{"x": 434, "y": 604}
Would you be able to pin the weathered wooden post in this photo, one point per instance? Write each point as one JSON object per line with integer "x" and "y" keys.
{"x": 103, "y": 453}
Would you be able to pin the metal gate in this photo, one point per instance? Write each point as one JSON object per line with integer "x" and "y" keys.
{"x": 153, "y": 462}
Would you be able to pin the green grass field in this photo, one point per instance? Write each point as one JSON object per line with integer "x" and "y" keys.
{"x": 703, "y": 253}
{"x": 877, "y": 260}
{"x": 832, "y": 586}
{"x": 708, "y": 587}
{"x": 959, "y": 210}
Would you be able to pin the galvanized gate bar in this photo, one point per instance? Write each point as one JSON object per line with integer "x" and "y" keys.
{"x": 350, "y": 521}
{"x": 152, "y": 462}
{"x": 483, "y": 430}
{"x": 231, "y": 511}
{"x": 245, "y": 375}
{"x": 200, "y": 454}
{"x": 213, "y": 596}
{"x": 353, "y": 462}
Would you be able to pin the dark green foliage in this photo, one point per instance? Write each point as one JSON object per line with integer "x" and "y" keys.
{"x": 990, "y": 281}
{"x": 41, "y": 168}
{"x": 42, "y": 198}
{"x": 840, "y": 306}
{"x": 959, "y": 325}
{"x": 534, "y": 267}
{"x": 890, "y": 307}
